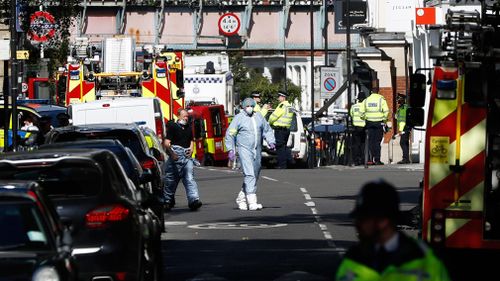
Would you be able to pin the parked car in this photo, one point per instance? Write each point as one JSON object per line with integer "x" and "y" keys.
{"x": 142, "y": 178}
{"x": 34, "y": 245}
{"x": 131, "y": 136}
{"x": 114, "y": 236}
{"x": 297, "y": 142}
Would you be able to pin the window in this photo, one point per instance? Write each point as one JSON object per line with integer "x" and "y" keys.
{"x": 216, "y": 122}
{"x": 22, "y": 227}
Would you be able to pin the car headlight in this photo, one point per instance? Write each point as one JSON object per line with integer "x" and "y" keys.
{"x": 46, "y": 273}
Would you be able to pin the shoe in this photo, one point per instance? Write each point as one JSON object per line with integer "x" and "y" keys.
{"x": 378, "y": 163}
{"x": 370, "y": 163}
{"x": 404, "y": 162}
{"x": 241, "y": 201}
{"x": 195, "y": 205}
{"x": 252, "y": 203}
{"x": 168, "y": 205}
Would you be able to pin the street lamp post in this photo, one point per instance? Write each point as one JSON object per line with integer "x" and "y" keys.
{"x": 13, "y": 72}
{"x": 349, "y": 80}
{"x": 313, "y": 138}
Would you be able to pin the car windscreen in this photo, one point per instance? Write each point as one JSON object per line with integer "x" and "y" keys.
{"x": 64, "y": 180}
{"x": 126, "y": 137}
{"x": 22, "y": 227}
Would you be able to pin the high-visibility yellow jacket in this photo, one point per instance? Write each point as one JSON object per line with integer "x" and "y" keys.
{"x": 356, "y": 115}
{"x": 375, "y": 108}
{"x": 282, "y": 116}
{"x": 401, "y": 117}
{"x": 260, "y": 109}
{"x": 413, "y": 261}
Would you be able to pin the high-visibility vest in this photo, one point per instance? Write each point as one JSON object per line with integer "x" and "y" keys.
{"x": 375, "y": 108}
{"x": 356, "y": 115}
{"x": 401, "y": 117}
{"x": 282, "y": 116}
{"x": 260, "y": 109}
{"x": 428, "y": 267}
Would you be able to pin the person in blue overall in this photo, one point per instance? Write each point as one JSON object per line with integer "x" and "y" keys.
{"x": 244, "y": 136}
{"x": 180, "y": 143}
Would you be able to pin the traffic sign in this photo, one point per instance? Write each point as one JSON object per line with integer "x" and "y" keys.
{"x": 22, "y": 54}
{"x": 42, "y": 26}
{"x": 331, "y": 77}
{"x": 24, "y": 87}
{"x": 229, "y": 24}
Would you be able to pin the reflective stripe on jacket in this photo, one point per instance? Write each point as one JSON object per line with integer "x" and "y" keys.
{"x": 282, "y": 116}
{"x": 375, "y": 108}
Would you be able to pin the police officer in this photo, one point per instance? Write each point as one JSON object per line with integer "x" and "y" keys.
{"x": 375, "y": 112}
{"x": 358, "y": 135}
{"x": 404, "y": 129}
{"x": 261, "y": 109}
{"x": 383, "y": 252}
{"x": 281, "y": 120}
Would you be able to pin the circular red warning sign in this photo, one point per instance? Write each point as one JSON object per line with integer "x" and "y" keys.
{"x": 229, "y": 24}
{"x": 42, "y": 26}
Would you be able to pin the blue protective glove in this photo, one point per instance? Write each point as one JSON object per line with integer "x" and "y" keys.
{"x": 272, "y": 146}
{"x": 231, "y": 155}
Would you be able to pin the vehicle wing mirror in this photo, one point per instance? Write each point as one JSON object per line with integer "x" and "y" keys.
{"x": 417, "y": 90}
{"x": 415, "y": 117}
{"x": 146, "y": 176}
{"x": 157, "y": 154}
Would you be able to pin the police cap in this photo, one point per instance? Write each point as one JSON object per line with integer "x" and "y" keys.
{"x": 401, "y": 97}
{"x": 377, "y": 199}
{"x": 255, "y": 94}
{"x": 282, "y": 94}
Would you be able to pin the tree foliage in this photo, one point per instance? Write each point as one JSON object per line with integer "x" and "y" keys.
{"x": 248, "y": 80}
{"x": 57, "y": 48}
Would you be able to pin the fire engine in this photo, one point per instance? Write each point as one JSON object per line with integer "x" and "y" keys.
{"x": 461, "y": 191}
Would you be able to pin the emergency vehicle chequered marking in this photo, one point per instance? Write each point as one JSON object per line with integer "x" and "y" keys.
{"x": 203, "y": 80}
{"x": 460, "y": 194}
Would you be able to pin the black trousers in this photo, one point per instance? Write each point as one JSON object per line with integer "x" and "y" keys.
{"x": 375, "y": 135}
{"x": 281, "y": 135}
{"x": 404, "y": 142}
{"x": 358, "y": 145}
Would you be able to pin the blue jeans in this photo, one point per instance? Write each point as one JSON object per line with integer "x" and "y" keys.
{"x": 182, "y": 169}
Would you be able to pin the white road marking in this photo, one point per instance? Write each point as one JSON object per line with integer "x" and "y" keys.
{"x": 175, "y": 223}
{"x": 268, "y": 178}
{"x": 307, "y": 196}
{"x": 323, "y": 227}
{"x": 303, "y": 190}
{"x": 315, "y": 212}
{"x": 310, "y": 204}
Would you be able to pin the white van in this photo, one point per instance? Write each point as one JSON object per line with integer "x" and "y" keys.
{"x": 297, "y": 142}
{"x": 143, "y": 111}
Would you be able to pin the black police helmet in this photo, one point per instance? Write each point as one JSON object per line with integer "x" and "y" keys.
{"x": 255, "y": 94}
{"x": 377, "y": 199}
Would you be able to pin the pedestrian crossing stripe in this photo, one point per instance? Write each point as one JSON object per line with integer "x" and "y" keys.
{"x": 210, "y": 80}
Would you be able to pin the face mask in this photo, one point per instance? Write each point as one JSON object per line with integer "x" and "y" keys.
{"x": 249, "y": 110}
{"x": 182, "y": 122}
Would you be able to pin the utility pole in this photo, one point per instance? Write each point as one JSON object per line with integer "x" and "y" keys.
{"x": 313, "y": 137}
{"x": 13, "y": 71}
{"x": 349, "y": 80}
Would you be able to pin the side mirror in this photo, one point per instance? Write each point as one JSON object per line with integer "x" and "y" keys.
{"x": 146, "y": 176}
{"x": 180, "y": 93}
{"x": 415, "y": 117}
{"x": 157, "y": 154}
{"x": 417, "y": 90}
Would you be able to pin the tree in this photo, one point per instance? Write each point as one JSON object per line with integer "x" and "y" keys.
{"x": 269, "y": 91}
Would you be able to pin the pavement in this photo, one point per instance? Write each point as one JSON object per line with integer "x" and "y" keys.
{"x": 301, "y": 234}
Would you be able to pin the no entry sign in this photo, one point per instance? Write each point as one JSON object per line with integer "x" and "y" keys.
{"x": 330, "y": 79}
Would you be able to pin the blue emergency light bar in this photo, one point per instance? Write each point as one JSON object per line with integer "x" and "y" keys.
{"x": 37, "y": 101}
